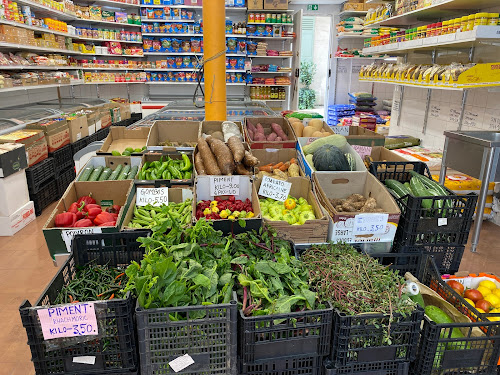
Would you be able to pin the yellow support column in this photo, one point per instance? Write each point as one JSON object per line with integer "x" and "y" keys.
{"x": 214, "y": 44}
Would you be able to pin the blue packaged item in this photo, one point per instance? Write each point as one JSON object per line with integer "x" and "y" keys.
{"x": 240, "y": 63}
{"x": 178, "y": 2}
{"x": 249, "y": 78}
{"x": 239, "y": 3}
{"x": 166, "y": 2}
{"x": 231, "y": 45}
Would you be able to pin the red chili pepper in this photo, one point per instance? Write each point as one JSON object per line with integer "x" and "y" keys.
{"x": 87, "y": 199}
{"x": 115, "y": 209}
{"x": 83, "y": 223}
{"x": 108, "y": 224}
{"x": 103, "y": 217}
{"x": 65, "y": 219}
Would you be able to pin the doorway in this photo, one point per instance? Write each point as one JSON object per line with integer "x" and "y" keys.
{"x": 316, "y": 32}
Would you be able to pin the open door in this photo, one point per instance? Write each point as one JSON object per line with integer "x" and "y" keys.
{"x": 294, "y": 89}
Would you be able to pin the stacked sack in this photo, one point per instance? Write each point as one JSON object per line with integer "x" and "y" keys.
{"x": 351, "y": 25}
{"x": 363, "y": 101}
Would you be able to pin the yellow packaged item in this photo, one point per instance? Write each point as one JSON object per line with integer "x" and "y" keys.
{"x": 464, "y": 184}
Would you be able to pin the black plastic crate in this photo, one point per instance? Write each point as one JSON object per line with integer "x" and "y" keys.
{"x": 398, "y": 170}
{"x": 78, "y": 145}
{"x": 135, "y": 117}
{"x": 39, "y": 173}
{"x": 93, "y": 138}
{"x": 373, "y": 368}
{"x": 298, "y": 365}
{"x": 272, "y": 337}
{"x": 402, "y": 262}
{"x": 63, "y": 158}
{"x": 210, "y": 341}
{"x": 115, "y": 349}
{"x": 65, "y": 178}
{"x": 102, "y": 133}
{"x": 47, "y": 193}
{"x": 439, "y": 353}
{"x": 447, "y": 257}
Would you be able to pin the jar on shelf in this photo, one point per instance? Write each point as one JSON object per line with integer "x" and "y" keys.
{"x": 481, "y": 19}
{"x": 493, "y": 19}
{"x": 471, "y": 19}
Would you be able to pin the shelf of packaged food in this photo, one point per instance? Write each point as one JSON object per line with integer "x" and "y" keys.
{"x": 113, "y": 69}
{"x": 187, "y": 70}
{"x": 167, "y": 21}
{"x": 190, "y": 35}
{"x": 270, "y": 37}
{"x": 113, "y": 83}
{"x": 106, "y": 54}
{"x": 263, "y": 85}
{"x": 352, "y": 13}
{"x": 352, "y": 36}
{"x": 466, "y": 39}
{"x": 193, "y": 83}
{"x": 234, "y": 35}
{"x": 188, "y": 54}
{"x": 286, "y": 72}
{"x": 269, "y": 57}
{"x": 236, "y": 9}
{"x": 359, "y": 58}
{"x": 45, "y": 11}
{"x": 102, "y": 22}
{"x": 436, "y": 87}
{"x": 5, "y": 45}
{"x": 268, "y": 100}
{"x": 435, "y": 11}
{"x": 108, "y": 40}
{"x": 271, "y": 10}
{"x": 271, "y": 23}
{"x": 112, "y": 4}
{"x": 38, "y": 87}
{"x": 37, "y": 67}
{"x": 34, "y": 28}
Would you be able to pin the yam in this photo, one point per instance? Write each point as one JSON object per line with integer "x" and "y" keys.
{"x": 316, "y": 124}
{"x": 259, "y": 137}
{"x": 308, "y": 131}
{"x": 209, "y": 161}
{"x": 249, "y": 160}
{"x": 198, "y": 163}
{"x": 241, "y": 170}
{"x": 279, "y": 131}
{"x": 298, "y": 128}
{"x": 218, "y": 135}
{"x": 336, "y": 202}
{"x": 237, "y": 148}
{"x": 223, "y": 155}
{"x": 230, "y": 129}
{"x": 272, "y": 137}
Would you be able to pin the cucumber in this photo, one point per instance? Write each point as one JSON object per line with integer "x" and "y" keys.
{"x": 418, "y": 188}
{"x": 96, "y": 173}
{"x": 124, "y": 173}
{"x": 438, "y": 316}
{"x": 105, "y": 174}
{"x": 133, "y": 172}
{"x": 418, "y": 299}
{"x": 85, "y": 175}
{"x": 397, "y": 187}
{"x": 116, "y": 172}
{"x": 430, "y": 183}
{"x": 407, "y": 184}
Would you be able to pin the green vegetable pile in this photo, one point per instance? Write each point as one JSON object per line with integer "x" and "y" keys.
{"x": 152, "y": 217}
{"x": 167, "y": 169}
{"x": 100, "y": 173}
{"x": 128, "y": 151}
{"x": 303, "y": 115}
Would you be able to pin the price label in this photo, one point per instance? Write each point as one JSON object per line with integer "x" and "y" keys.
{"x": 342, "y": 130}
{"x": 153, "y": 196}
{"x": 224, "y": 185}
{"x": 370, "y": 224}
{"x": 68, "y": 234}
{"x": 362, "y": 150}
{"x": 76, "y": 319}
{"x": 275, "y": 189}
{"x": 180, "y": 363}
{"x": 442, "y": 221}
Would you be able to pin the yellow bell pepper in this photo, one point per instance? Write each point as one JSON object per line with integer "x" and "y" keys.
{"x": 207, "y": 211}
{"x": 224, "y": 214}
{"x": 231, "y": 217}
{"x": 215, "y": 209}
{"x": 250, "y": 215}
{"x": 213, "y": 203}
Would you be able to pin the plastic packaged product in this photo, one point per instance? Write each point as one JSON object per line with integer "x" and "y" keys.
{"x": 231, "y": 44}
{"x": 195, "y": 45}
{"x": 175, "y": 13}
{"x": 481, "y": 19}
{"x": 166, "y": 44}
{"x": 147, "y": 45}
{"x": 493, "y": 19}
{"x": 176, "y": 45}
{"x": 178, "y": 62}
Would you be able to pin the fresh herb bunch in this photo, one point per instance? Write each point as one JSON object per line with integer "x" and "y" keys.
{"x": 93, "y": 282}
{"x": 355, "y": 283}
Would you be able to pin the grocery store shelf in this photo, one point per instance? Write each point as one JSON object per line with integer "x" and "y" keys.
{"x": 5, "y": 45}
{"x": 108, "y": 40}
{"x": 271, "y": 23}
{"x": 433, "y": 12}
{"x": 270, "y": 37}
{"x": 352, "y": 36}
{"x": 105, "y": 54}
{"x": 268, "y": 100}
{"x": 360, "y": 58}
{"x": 234, "y": 35}
{"x": 193, "y": 83}
{"x": 38, "y": 87}
{"x": 34, "y": 28}
{"x": 175, "y": 35}
{"x": 271, "y": 10}
{"x": 270, "y": 73}
{"x": 466, "y": 39}
{"x": 352, "y": 13}
{"x": 112, "y": 83}
{"x": 263, "y": 85}
{"x": 113, "y": 69}
{"x": 167, "y": 21}
{"x": 111, "y": 4}
{"x": 188, "y": 54}
{"x": 187, "y": 70}
{"x": 236, "y": 9}
{"x": 269, "y": 57}
{"x": 42, "y": 10}
{"x": 450, "y": 88}
{"x": 101, "y": 22}
{"x": 37, "y": 67}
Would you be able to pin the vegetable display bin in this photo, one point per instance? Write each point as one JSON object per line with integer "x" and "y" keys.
{"x": 63, "y": 159}
{"x": 64, "y": 179}
{"x": 290, "y": 365}
{"x": 373, "y": 368}
{"x": 39, "y": 173}
{"x": 210, "y": 341}
{"x": 47, "y": 193}
{"x": 441, "y": 352}
{"x": 80, "y": 144}
{"x": 114, "y": 350}
{"x": 102, "y": 133}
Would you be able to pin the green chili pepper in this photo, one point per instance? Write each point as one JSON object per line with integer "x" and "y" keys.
{"x": 187, "y": 163}
{"x": 175, "y": 172}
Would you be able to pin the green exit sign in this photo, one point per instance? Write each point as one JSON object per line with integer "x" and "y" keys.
{"x": 312, "y": 7}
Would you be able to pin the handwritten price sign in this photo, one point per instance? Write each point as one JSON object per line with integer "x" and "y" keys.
{"x": 153, "y": 196}
{"x": 370, "y": 224}
{"x": 77, "y": 319}
{"x": 224, "y": 185}
{"x": 68, "y": 234}
{"x": 275, "y": 189}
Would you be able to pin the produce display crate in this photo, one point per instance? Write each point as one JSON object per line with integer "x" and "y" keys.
{"x": 475, "y": 353}
{"x": 373, "y": 368}
{"x": 402, "y": 262}
{"x": 80, "y": 144}
{"x": 447, "y": 257}
{"x": 93, "y": 138}
{"x": 63, "y": 159}
{"x": 47, "y": 193}
{"x": 65, "y": 178}
{"x": 210, "y": 341}
{"x": 398, "y": 170}
{"x": 102, "y": 134}
{"x": 39, "y": 173}
{"x": 291, "y": 365}
{"x": 266, "y": 339}
{"x": 115, "y": 349}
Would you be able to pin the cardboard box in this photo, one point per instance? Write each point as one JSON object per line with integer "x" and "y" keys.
{"x": 368, "y": 6}
{"x": 57, "y": 133}
{"x": 119, "y": 138}
{"x": 125, "y": 112}
{"x": 111, "y": 162}
{"x": 360, "y": 166}
{"x": 341, "y": 185}
{"x": 184, "y": 133}
{"x": 10, "y": 225}
{"x": 12, "y": 186}
{"x": 364, "y": 137}
{"x": 208, "y": 127}
{"x": 78, "y": 128}
{"x": 274, "y": 156}
{"x": 114, "y": 111}
{"x": 12, "y": 158}
{"x": 105, "y": 120}
{"x": 255, "y": 4}
{"x": 113, "y": 192}
{"x": 247, "y": 190}
{"x": 175, "y": 195}
{"x": 34, "y": 141}
{"x": 353, "y": 6}
{"x": 154, "y": 156}
{"x": 326, "y": 127}
{"x": 312, "y": 231}
{"x": 380, "y": 153}
{"x": 266, "y": 124}
{"x": 276, "y": 4}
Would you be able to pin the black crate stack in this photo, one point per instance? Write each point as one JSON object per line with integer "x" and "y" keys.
{"x": 42, "y": 185}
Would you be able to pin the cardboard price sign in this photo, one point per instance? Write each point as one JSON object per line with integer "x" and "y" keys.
{"x": 76, "y": 319}
{"x": 153, "y": 196}
{"x": 224, "y": 185}
{"x": 275, "y": 189}
{"x": 370, "y": 224}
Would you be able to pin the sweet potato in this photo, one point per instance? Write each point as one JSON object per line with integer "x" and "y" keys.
{"x": 241, "y": 170}
{"x": 223, "y": 155}
{"x": 208, "y": 158}
{"x": 249, "y": 160}
{"x": 279, "y": 131}
{"x": 259, "y": 137}
{"x": 198, "y": 163}
{"x": 251, "y": 127}
{"x": 250, "y": 133}
{"x": 271, "y": 137}
{"x": 237, "y": 148}
{"x": 260, "y": 129}
{"x": 278, "y": 139}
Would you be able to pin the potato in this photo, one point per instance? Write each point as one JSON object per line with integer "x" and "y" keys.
{"x": 316, "y": 124}
{"x": 308, "y": 131}
{"x": 317, "y": 134}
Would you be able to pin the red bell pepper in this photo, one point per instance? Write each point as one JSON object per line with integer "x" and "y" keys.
{"x": 87, "y": 207}
{"x": 83, "y": 223}
{"x": 108, "y": 224}
{"x": 77, "y": 209}
{"x": 65, "y": 219}
{"x": 93, "y": 212}
{"x": 87, "y": 199}
{"x": 103, "y": 217}
{"x": 115, "y": 209}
